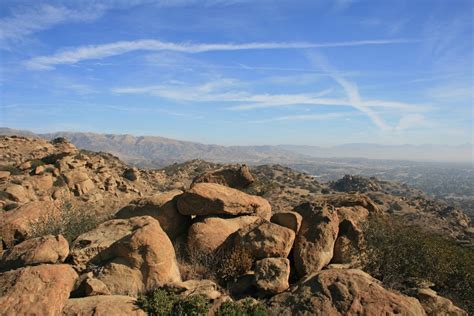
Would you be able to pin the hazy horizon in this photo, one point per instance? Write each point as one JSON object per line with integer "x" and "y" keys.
{"x": 319, "y": 73}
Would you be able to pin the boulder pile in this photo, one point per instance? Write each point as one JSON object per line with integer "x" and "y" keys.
{"x": 299, "y": 261}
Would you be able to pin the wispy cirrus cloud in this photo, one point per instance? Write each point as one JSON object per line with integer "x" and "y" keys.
{"x": 306, "y": 117}
{"x": 24, "y": 21}
{"x": 78, "y": 54}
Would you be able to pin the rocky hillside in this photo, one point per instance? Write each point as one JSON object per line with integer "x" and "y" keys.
{"x": 84, "y": 234}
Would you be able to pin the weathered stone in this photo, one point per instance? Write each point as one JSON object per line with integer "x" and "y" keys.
{"x": 435, "y": 305}
{"x": 17, "y": 193}
{"x": 342, "y": 292}
{"x": 272, "y": 275}
{"x": 314, "y": 244}
{"x": 79, "y": 181}
{"x": 87, "y": 285}
{"x": 291, "y": 220}
{"x": 4, "y": 175}
{"x": 135, "y": 255}
{"x": 46, "y": 249}
{"x": 15, "y": 225}
{"x": 39, "y": 290}
{"x": 216, "y": 199}
{"x": 103, "y": 305}
{"x": 265, "y": 240}
{"x": 237, "y": 178}
{"x": 208, "y": 234}
{"x": 161, "y": 206}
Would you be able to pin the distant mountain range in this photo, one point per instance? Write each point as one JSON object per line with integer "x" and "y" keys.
{"x": 154, "y": 151}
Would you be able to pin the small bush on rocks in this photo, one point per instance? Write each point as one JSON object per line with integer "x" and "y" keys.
{"x": 160, "y": 302}
{"x": 248, "y": 308}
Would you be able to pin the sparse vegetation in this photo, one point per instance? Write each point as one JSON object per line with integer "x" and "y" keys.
{"x": 249, "y": 307}
{"x": 397, "y": 251}
{"x": 12, "y": 169}
{"x": 232, "y": 263}
{"x": 70, "y": 223}
{"x": 160, "y": 302}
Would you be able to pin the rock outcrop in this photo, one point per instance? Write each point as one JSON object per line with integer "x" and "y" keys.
{"x": 135, "y": 255}
{"x": 272, "y": 275}
{"x": 45, "y": 249}
{"x": 237, "y": 178}
{"x": 342, "y": 292}
{"x": 314, "y": 244}
{"x": 209, "y": 233}
{"x": 40, "y": 290}
{"x": 162, "y": 207}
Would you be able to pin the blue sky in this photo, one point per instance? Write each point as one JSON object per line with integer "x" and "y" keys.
{"x": 241, "y": 72}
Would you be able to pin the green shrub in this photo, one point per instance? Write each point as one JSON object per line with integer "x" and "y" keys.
{"x": 397, "y": 251}
{"x": 70, "y": 223}
{"x": 157, "y": 302}
{"x": 248, "y": 308}
{"x": 196, "y": 305}
{"x": 160, "y": 302}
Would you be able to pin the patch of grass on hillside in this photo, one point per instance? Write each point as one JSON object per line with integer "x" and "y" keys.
{"x": 71, "y": 223}
{"x": 397, "y": 251}
{"x": 248, "y": 307}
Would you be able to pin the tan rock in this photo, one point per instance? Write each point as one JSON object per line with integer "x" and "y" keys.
{"x": 272, "y": 275}
{"x": 42, "y": 183}
{"x": 208, "y": 234}
{"x": 103, "y": 305}
{"x": 215, "y": 199}
{"x": 4, "y": 175}
{"x": 342, "y": 292}
{"x": 266, "y": 240}
{"x": 161, "y": 206}
{"x": 38, "y": 290}
{"x": 79, "y": 181}
{"x": 17, "y": 193}
{"x": 87, "y": 285}
{"x": 435, "y": 305}
{"x": 314, "y": 244}
{"x": 291, "y": 220}
{"x": 136, "y": 255}
{"x": 46, "y": 249}
{"x": 15, "y": 225}
{"x": 237, "y": 177}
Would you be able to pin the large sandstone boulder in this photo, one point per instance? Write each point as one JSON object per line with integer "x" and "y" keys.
{"x": 135, "y": 255}
{"x": 88, "y": 285}
{"x": 288, "y": 219}
{"x": 342, "y": 292}
{"x": 39, "y": 290}
{"x": 216, "y": 199}
{"x": 314, "y": 244}
{"x": 237, "y": 178}
{"x": 209, "y": 233}
{"x": 15, "y": 225}
{"x": 265, "y": 240}
{"x": 161, "y": 206}
{"x": 46, "y": 249}
{"x": 272, "y": 275}
{"x": 103, "y": 305}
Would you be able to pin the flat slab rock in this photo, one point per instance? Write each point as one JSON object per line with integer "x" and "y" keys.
{"x": 215, "y": 199}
